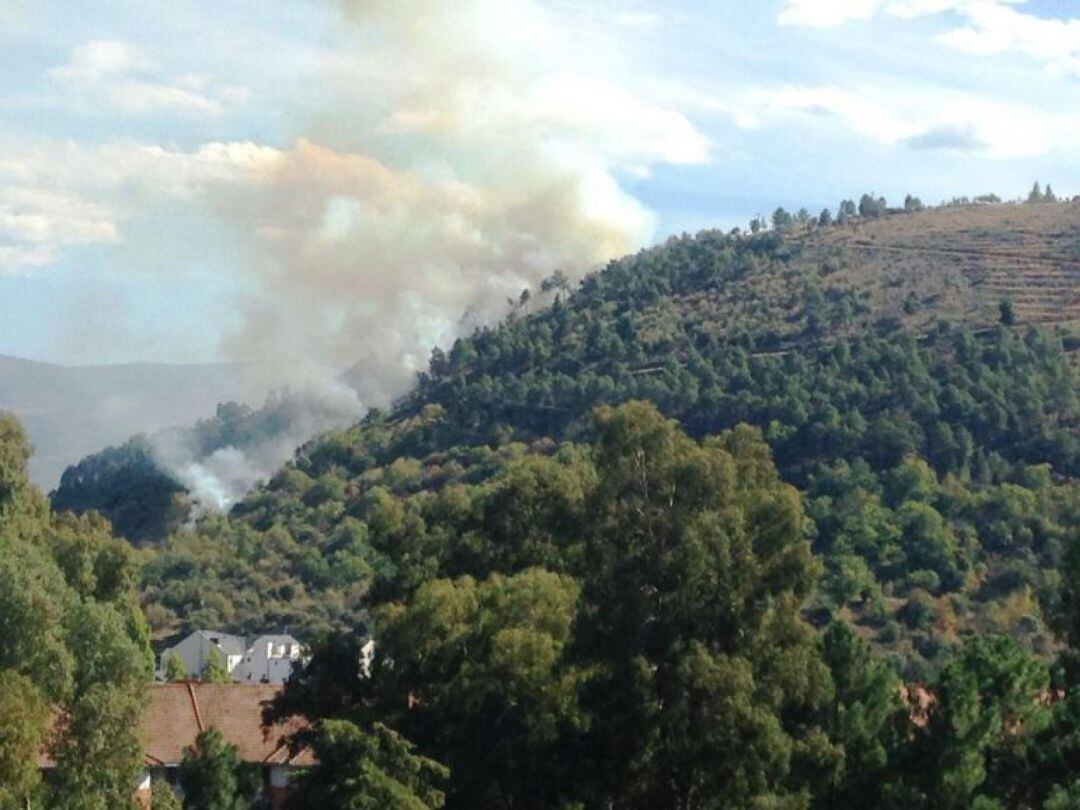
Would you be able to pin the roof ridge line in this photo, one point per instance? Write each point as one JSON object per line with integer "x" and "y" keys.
{"x": 195, "y": 706}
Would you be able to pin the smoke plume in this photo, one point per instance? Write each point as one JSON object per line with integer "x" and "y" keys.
{"x": 459, "y": 153}
{"x": 468, "y": 153}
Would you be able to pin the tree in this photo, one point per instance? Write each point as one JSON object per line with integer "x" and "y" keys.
{"x": 913, "y": 203}
{"x": 1048, "y": 195}
{"x": 1008, "y": 314}
{"x": 825, "y": 218}
{"x": 1036, "y": 195}
{"x": 214, "y": 671}
{"x": 557, "y": 281}
{"x": 987, "y": 703}
{"x": 24, "y": 722}
{"x": 871, "y": 207}
{"x": 866, "y": 716}
{"x": 513, "y": 685}
{"x": 175, "y": 671}
{"x": 781, "y": 220}
{"x": 697, "y": 564}
{"x": 69, "y": 623}
{"x": 362, "y": 770}
{"x": 100, "y": 756}
{"x": 213, "y": 778}
{"x": 163, "y": 797}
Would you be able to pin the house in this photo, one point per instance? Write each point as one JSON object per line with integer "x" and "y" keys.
{"x": 195, "y": 652}
{"x": 267, "y": 659}
{"x": 178, "y": 712}
{"x": 175, "y": 715}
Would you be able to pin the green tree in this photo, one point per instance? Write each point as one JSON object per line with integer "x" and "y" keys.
{"x": 866, "y": 716}
{"x": 781, "y": 220}
{"x": 69, "y": 623}
{"x": 214, "y": 671}
{"x": 482, "y": 665}
{"x": 100, "y": 756}
{"x": 24, "y": 723}
{"x": 698, "y": 564}
{"x": 213, "y": 778}
{"x": 175, "y": 671}
{"x": 987, "y": 705}
{"x": 163, "y": 797}
{"x": 361, "y": 770}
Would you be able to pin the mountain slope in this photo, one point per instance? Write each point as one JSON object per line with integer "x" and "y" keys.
{"x": 935, "y": 446}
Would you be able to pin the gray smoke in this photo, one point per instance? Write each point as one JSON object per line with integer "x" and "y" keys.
{"x": 463, "y": 151}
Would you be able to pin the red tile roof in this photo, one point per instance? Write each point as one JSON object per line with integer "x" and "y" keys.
{"x": 177, "y": 712}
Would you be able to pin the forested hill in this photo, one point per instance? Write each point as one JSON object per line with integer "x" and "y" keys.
{"x": 651, "y": 326}
{"x": 679, "y": 536}
{"x": 927, "y": 410}
{"x": 648, "y": 325}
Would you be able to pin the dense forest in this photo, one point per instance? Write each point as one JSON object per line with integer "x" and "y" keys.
{"x": 747, "y": 520}
{"x": 75, "y": 644}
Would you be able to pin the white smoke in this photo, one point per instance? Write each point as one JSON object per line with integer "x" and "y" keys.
{"x": 465, "y": 151}
{"x": 217, "y": 477}
{"x": 470, "y": 151}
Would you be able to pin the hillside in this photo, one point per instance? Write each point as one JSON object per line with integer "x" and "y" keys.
{"x": 959, "y": 263}
{"x": 637, "y": 326}
{"x": 70, "y": 411}
{"x": 935, "y": 446}
{"x": 705, "y": 514}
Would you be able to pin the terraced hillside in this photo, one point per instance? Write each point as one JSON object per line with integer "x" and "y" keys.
{"x": 960, "y": 263}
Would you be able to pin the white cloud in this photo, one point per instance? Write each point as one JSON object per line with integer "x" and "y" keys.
{"x": 637, "y": 19}
{"x": 132, "y": 83}
{"x": 994, "y": 28}
{"x": 826, "y": 13}
{"x": 921, "y": 119}
{"x": 59, "y": 194}
{"x": 990, "y": 26}
{"x": 36, "y": 223}
{"x": 102, "y": 59}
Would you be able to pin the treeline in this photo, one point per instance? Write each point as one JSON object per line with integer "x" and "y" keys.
{"x": 624, "y": 625}
{"x": 74, "y": 651}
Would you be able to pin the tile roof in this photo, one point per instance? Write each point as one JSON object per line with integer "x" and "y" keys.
{"x": 177, "y": 712}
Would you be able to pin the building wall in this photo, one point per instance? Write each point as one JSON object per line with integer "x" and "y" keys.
{"x": 267, "y": 662}
{"x": 194, "y": 652}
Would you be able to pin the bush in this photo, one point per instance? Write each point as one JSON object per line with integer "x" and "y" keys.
{"x": 918, "y": 612}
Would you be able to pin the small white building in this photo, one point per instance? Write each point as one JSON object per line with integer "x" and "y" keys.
{"x": 269, "y": 659}
{"x": 196, "y": 650}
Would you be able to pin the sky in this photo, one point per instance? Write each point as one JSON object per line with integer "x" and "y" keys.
{"x": 354, "y": 181}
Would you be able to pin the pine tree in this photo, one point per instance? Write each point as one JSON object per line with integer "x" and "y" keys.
{"x": 214, "y": 671}
{"x": 175, "y": 671}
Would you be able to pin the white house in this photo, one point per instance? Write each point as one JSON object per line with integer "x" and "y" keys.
{"x": 196, "y": 650}
{"x": 267, "y": 659}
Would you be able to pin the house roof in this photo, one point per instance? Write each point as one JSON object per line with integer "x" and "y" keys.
{"x": 230, "y": 644}
{"x": 177, "y": 712}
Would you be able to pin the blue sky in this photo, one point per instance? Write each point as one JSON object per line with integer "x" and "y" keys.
{"x": 193, "y": 180}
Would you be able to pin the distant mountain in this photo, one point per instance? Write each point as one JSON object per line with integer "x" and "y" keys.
{"x": 70, "y": 411}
